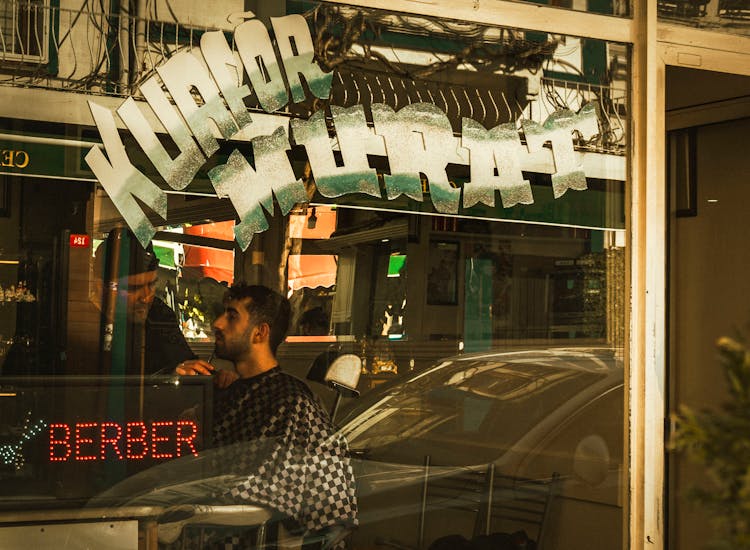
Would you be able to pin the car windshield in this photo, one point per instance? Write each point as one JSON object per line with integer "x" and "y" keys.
{"x": 469, "y": 411}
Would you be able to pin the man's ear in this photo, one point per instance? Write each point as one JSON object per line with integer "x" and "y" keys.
{"x": 261, "y": 333}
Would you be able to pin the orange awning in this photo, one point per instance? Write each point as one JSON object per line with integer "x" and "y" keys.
{"x": 201, "y": 261}
{"x": 324, "y": 223}
{"x": 312, "y": 270}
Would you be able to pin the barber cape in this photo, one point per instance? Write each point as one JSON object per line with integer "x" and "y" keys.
{"x": 273, "y": 433}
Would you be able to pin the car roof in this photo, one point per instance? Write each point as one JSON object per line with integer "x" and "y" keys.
{"x": 590, "y": 359}
{"x": 589, "y": 364}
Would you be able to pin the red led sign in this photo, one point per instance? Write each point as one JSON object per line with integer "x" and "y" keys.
{"x": 88, "y": 441}
{"x": 80, "y": 241}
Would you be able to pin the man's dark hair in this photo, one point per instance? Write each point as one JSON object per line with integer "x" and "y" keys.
{"x": 141, "y": 260}
{"x": 265, "y": 306}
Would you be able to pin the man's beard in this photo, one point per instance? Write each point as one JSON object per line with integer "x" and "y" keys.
{"x": 138, "y": 315}
{"x": 232, "y": 349}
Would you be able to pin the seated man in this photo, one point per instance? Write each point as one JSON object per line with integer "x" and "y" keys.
{"x": 273, "y": 432}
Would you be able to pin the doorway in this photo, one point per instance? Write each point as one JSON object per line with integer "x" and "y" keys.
{"x": 708, "y": 173}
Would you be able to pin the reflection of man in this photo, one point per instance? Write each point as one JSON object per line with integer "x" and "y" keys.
{"x": 147, "y": 320}
{"x": 314, "y": 322}
{"x": 273, "y": 430}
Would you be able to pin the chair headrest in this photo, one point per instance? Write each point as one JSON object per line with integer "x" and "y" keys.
{"x": 339, "y": 371}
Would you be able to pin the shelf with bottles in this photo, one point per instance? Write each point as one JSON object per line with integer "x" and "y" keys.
{"x": 19, "y": 293}
{"x": 6, "y": 342}
{"x": 16, "y": 284}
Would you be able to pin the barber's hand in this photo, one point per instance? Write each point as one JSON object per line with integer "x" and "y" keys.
{"x": 225, "y": 377}
{"x": 194, "y": 367}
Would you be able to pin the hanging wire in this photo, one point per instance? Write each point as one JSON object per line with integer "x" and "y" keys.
{"x": 344, "y": 87}
{"x": 335, "y": 30}
{"x": 494, "y": 105}
{"x": 481, "y": 103}
{"x": 429, "y": 93}
{"x": 468, "y": 101}
{"x": 507, "y": 106}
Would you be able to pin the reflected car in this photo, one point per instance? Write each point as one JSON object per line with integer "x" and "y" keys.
{"x": 516, "y": 447}
{"x": 522, "y": 446}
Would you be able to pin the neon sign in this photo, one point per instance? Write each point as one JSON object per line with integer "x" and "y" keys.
{"x": 417, "y": 139}
{"x": 132, "y": 441}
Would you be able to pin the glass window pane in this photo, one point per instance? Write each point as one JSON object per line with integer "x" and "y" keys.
{"x": 729, "y": 16}
{"x": 607, "y": 7}
{"x": 447, "y": 212}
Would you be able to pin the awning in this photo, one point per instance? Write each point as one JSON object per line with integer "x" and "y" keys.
{"x": 202, "y": 261}
{"x": 318, "y": 222}
{"x": 312, "y": 270}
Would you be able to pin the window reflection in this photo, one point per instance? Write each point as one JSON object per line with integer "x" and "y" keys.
{"x": 606, "y": 7}
{"x": 405, "y": 290}
{"x": 731, "y": 16}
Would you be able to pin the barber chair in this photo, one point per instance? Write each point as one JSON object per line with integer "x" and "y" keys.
{"x": 340, "y": 372}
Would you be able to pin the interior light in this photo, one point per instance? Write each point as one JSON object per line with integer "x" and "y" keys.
{"x": 713, "y": 200}
{"x": 312, "y": 220}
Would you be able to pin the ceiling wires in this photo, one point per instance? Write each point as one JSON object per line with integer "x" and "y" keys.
{"x": 463, "y": 71}
{"x": 336, "y": 30}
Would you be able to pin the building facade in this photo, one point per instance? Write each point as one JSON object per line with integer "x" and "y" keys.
{"x": 496, "y": 208}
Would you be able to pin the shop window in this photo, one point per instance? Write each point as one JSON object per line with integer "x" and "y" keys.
{"x": 24, "y": 30}
{"x": 452, "y": 213}
{"x": 194, "y": 274}
{"x": 608, "y": 7}
{"x": 681, "y": 170}
{"x": 311, "y": 282}
{"x": 730, "y": 16}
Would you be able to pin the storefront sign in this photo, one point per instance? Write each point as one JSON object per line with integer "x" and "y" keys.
{"x": 417, "y": 139}
{"x": 131, "y": 441}
{"x": 44, "y": 155}
{"x": 10, "y": 158}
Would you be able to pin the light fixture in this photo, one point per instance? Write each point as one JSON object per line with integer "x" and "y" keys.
{"x": 312, "y": 220}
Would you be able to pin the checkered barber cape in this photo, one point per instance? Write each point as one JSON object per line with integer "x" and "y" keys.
{"x": 274, "y": 434}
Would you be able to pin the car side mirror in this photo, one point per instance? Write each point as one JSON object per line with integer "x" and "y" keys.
{"x": 591, "y": 460}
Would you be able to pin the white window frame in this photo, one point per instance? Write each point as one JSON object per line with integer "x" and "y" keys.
{"x": 8, "y": 44}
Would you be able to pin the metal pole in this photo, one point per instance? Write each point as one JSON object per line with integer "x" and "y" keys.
{"x": 423, "y": 510}
{"x": 490, "y": 496}
{"x": 336, "y": 403}
{"x": 140, "y": 42}
{"x": 124, "y": 44}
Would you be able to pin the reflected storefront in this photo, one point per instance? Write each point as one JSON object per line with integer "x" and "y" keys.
{"x": 419, "y": 190}
{"x": 454, "y": 206}
{"x": 726, "y": 16}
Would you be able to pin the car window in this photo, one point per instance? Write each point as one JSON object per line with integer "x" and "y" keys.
{"x": 467, "y": 412}
{"x": 601, "y": 418}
